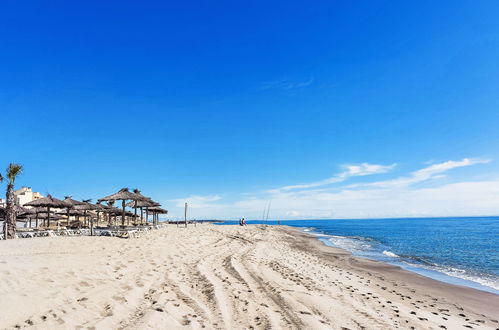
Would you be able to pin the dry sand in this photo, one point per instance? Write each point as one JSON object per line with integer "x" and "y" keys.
{"x": 221, "y": 277}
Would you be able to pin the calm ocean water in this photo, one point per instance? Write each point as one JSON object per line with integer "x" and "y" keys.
{"x": 462, "y": 251}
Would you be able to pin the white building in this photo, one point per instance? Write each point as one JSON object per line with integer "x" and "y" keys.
{"x": 26, "y": 195}
{"x": 3, "y": 202}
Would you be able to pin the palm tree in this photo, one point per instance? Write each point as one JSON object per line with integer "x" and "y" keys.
{"x": 9, "y": 226}
{"x": 1, "y": 179}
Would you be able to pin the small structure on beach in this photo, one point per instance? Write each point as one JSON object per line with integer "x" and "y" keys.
{"x": 156, "y": 211}
{"x": 143, "y": 204}
{"x": 48, "y": 202}
{"x": 123, "y": 195}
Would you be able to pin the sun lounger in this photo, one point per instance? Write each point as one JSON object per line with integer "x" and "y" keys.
{"x": 26, "y": 234}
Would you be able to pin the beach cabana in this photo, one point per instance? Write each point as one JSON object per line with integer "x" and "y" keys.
{"x": 123, "y": 195}
{"x": 48, "y": 202}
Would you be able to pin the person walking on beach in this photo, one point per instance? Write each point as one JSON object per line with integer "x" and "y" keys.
{"x": 243, "y": 222}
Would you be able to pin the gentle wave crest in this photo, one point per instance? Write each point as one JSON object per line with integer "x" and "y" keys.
{"x": 390, "y": 254}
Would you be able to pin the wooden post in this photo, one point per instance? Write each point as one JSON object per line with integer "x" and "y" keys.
{"x": 185, "y": 215}
{"x": 123, "y": 213}
{"x": 48, "y": 216}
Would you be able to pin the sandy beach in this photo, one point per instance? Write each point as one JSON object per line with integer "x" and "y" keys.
{"x": 222, "y": 277}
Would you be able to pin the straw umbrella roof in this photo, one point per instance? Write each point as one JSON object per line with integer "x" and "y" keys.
{"x": 158, "y": 210}
{"x": 85, "y": 206}
{"x": 48, "y": 201}
{"x": 100, "y": 207}
{"x": 124, "y": 194}
{"x": 52, "y": 216}
{"x": 116, "y": 211}
{"x": 19, "y": 210}
{"x": 24, "y": 210}
{"x": 112, "y": 210}
{"x": 40, "y": 210}
{"x": 71, "y": 212}
{"x": 70, "y": 202}
{"x": 143, "y": 203}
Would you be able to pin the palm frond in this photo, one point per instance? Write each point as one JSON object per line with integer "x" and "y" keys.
{"x": 13, "y": 171}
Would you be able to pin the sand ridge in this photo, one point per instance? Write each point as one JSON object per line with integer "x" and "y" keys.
{"x": 221, "y": 277}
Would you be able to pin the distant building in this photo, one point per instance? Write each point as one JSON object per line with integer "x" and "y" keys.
{"x": 3, "y": 202}
{"x": 26, "y": 195}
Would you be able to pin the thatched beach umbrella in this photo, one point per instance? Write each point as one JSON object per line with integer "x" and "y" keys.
{"x": 156, "y": 211}
{"x": 87, "y": 206}
{"x": 49, "y": 217}
{"x": 110, "y": 211}
{"x": 143, "y": 204}
{"x": 123, "y": 195}
{"x": 70, "y": 204}
{"x": 48, "y": 202}
{"x": 136, "y": 191}
{"x": 24, "y": 212}
{"x": 71, "y": 212}
{"x": 41, "y": 214}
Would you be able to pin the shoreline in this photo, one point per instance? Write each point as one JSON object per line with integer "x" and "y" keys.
{"x": 478, "y": 300}
{"x": 222, "y": 277}
{"x": 435, "y": 274}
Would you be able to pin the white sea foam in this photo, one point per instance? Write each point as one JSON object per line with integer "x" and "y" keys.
{"x": 482, "y": 279}
{"x": 350, "y": 244}
{"x": 390, "y": 254}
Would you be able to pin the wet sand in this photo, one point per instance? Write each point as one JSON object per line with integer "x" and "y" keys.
{"x": 222, "y": 277}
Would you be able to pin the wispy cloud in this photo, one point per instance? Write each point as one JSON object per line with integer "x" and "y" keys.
{"x": 428, "y": 173}
{"x": 350, "y": 171}
{"x": 285, "y": 84}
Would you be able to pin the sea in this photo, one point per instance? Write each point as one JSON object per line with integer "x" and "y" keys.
{"x": 461, "y": 250}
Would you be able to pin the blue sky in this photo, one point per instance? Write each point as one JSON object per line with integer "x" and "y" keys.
{"x": 225, "y": 103}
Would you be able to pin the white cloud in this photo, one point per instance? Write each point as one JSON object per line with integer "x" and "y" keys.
{"x": 350, "y": 171}
{"x": 430, "y": 172}
{"x": 392, "y": 198}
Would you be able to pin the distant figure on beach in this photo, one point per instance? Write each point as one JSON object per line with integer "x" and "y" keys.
{"x": 242, "y": 222}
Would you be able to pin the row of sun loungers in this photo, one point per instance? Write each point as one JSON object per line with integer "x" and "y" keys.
{"x": 112, "y": 232}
